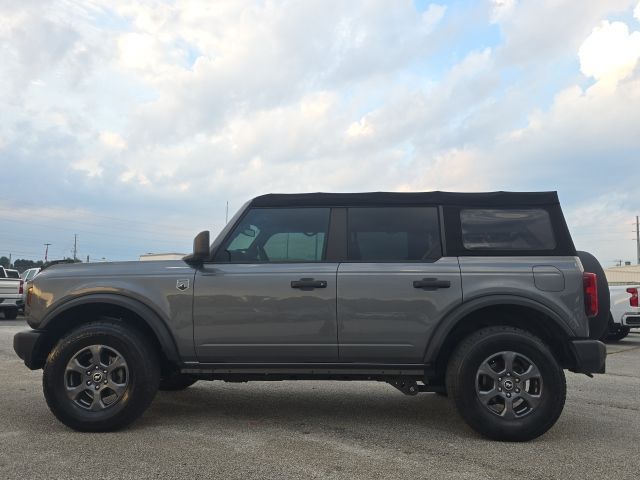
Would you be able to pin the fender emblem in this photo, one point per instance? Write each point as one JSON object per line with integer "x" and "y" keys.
{"x": 182, "y": 285}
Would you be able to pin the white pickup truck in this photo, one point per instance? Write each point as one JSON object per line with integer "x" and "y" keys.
{"x": 625, "y": 311}
{"x": 11, "y": 290}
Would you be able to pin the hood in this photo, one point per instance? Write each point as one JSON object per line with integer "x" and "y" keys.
{"x": 107, "y": 269}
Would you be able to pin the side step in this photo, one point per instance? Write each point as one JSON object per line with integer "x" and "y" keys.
{"x": 409, "y": 386}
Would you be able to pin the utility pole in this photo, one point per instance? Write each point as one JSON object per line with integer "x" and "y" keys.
{"x": 46, "y": 252}
{"x": 638, "y": 238}
{"x": 75, "y": 247}
{"x": 226, "y": 214}
{"x": 10, "y": 260}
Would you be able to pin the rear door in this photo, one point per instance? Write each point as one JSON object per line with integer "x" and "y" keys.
{"x": 395, "y": 285}
{"x": 269, "y": 296}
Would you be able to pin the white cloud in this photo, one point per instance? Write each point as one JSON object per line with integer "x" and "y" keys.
{"x": 113, "y": 140}
{"x": 361, "y": 128}
{"x": 134, "y": 176}
{"x": 147, "y": 106}
{"x": 636, "y": 12}
{"x": 543, "y": 32}
{"x": 604, "y": 221}
{"x": 501, "y": 9}
{"x": 610, "y": 53}
{"x": 433, "y": 15}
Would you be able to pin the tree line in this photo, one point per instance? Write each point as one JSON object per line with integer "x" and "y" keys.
{"x": 22, "y": 264}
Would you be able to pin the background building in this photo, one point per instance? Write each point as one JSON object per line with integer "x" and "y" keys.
{"x": 623, "y": 275}
{"x": 161, "y": 256}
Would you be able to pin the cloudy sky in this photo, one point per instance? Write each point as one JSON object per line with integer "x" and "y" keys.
{"x": 132, "y": 124}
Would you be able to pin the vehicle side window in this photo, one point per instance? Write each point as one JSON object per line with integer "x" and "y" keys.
{"x": 278, "y": 235}
{"x": 393, "y": 234}
{"x": 244, "y": 239}
{"x": 295, "y": 247}
{"x": 507, "y": 229}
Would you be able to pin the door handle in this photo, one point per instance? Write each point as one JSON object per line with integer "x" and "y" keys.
{"x": 308, "y": 284}
{"x": 431, "y": 284}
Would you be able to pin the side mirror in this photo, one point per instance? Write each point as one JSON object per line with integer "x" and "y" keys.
{"x": 200, "y": 248}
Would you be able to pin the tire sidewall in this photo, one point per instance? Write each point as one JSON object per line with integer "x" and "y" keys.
{"x": 490, "y": 424}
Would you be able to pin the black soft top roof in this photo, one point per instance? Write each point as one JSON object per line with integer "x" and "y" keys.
{"x": 487, "y": 199}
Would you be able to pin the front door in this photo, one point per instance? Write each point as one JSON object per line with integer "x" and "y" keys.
{"x": 268, "y": 296}
{"x": 395, "y": 285}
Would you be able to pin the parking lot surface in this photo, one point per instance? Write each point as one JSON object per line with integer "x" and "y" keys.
{"x": 323, "y": 430}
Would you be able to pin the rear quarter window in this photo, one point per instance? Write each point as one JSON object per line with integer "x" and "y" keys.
{"x": 507, "y": 229}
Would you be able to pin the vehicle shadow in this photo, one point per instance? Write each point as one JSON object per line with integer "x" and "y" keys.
{"x": 305, "y": 406}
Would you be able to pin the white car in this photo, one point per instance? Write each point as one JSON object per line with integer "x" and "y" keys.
{"x": 11, "y": 291}
{"x": 28, "y": 275}
{"x": 625, "y": 311}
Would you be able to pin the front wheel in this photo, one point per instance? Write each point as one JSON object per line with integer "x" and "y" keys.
{"x": 11, "y": 314}
{"x": 506, "y": 384}
{"x": 101, "y": 376}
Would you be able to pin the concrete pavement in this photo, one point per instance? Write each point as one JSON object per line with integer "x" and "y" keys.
{"x": 310, "y": 430}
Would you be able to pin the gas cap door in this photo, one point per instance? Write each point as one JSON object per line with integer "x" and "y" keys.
{"x": 548, "y": 278}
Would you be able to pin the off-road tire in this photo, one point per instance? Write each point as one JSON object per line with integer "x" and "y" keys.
{"x": 461, "y": 379}
{"x": 176, "y": 381}
{"x": 143, "y": 376}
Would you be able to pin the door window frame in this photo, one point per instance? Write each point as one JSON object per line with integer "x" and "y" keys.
{"x": 325, "y": 258}
{"x": 439, "y": 226}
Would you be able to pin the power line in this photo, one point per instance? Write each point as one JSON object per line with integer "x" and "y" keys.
{"x": 89, "y": 232}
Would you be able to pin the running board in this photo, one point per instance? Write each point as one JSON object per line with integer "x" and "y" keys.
{"x": 321, "y": 369}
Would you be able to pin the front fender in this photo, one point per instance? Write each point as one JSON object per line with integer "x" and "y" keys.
{"x": 151, "y": 317}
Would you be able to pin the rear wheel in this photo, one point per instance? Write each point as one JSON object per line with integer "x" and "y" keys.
{"x": 506, "y": 384}
{"x": 11, "y": 314}
{"x": 101, "y": 376}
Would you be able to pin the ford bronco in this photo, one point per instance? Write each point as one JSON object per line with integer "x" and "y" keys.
{"x": 481, "y": 297}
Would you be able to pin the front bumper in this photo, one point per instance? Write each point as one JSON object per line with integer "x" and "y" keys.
{"x": 29, "y": 344}
{"x": 590, "y": 355}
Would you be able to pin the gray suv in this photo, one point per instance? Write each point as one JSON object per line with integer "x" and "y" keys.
{"x": 481, "y": 297}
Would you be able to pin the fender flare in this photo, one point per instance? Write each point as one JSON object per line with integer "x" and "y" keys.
{"x": 453, "y": 318}
{"x": 149, "y": 316}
